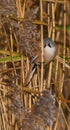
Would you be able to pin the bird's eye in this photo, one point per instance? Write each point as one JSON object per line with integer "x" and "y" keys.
{"x": 49, "y": 45}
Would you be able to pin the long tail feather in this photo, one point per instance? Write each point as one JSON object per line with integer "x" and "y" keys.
{"x": 30, "y": 74}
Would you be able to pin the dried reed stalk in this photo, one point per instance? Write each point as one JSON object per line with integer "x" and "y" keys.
{"x": 42, "y": 47}
{"x": 53, "y": 37}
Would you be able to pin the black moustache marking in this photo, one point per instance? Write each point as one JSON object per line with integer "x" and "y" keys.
{"x": 44, "y": 45}
{"x": 49, "y": 45}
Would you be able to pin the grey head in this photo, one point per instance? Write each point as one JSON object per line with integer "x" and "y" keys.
{"x": 49, "y": 42}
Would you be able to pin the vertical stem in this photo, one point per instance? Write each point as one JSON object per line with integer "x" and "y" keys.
{"x": 23, "y": 10}
{"x": 29, "y": 96}
{"x": 53, "y": 22}
{"x": 53, "y": 36}
{"x": 49, "y": 28}
{"x": 22, "y": 71}
{"x": 11, "y": 50}
{"x": 57, "y": 38}
{"x": 64, "y": 46}
{"x": 42, "y": 48}
{"x": 64, "y": 50}
{"x": 62, "y": 78}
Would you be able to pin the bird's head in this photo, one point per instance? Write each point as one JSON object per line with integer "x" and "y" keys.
{"x": 48, "y": 42}
{"x": 49, "y": 50}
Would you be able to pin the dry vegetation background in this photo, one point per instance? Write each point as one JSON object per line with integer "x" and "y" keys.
{"x": 27, "y": 108}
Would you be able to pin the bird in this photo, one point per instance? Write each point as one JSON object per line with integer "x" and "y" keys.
{"x": 49, "y": 54}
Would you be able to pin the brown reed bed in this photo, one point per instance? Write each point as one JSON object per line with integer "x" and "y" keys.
{"x": 45, "y": 103}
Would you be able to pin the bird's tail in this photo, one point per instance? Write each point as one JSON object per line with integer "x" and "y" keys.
{"x": 30, "y": 74}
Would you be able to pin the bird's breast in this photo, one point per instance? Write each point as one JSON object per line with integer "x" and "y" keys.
{"x": 49, "y": 54}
